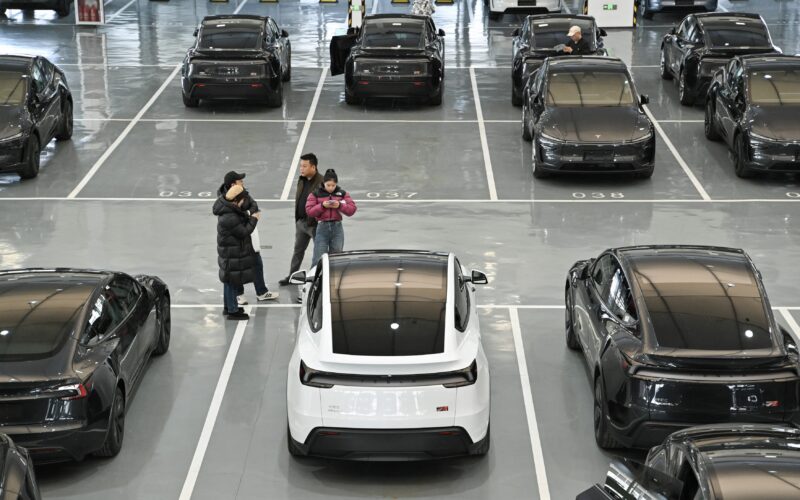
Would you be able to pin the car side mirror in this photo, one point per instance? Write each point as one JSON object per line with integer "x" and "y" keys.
{"x": 196, "y": 31}
{"x": 538, "y": 101}
{"x": 789, "y": 342}
{"x": 672, "y": 31}
{"x": 300, "y": 278}
{"x": 644, "y": 99}
{"x": 602, "y": 32}
{"x": 441, "y": 32}
{"x": 478, "y": 278}
{"x": 284, "y": 34}
{"x": 516, "y": 32}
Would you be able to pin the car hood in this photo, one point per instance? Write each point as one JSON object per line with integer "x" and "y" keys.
{"x": 11, "y": 121}
{"x": 595, "y": 125}
{"x": 775, "y": 122}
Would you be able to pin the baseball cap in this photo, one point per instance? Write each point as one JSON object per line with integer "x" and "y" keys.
{"x": 232, "y": 177}
{"x": 573, "y": 30}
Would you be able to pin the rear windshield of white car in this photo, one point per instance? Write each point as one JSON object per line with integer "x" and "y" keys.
{"x": 393, "y": 34}
{"x": 775, "y": 87}
{"x": 589, "y": 88}
{"x": 388, "y": 307}
{"x": 12, "y": 88}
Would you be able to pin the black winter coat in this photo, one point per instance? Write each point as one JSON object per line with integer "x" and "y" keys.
{"x": 235, "y": 254}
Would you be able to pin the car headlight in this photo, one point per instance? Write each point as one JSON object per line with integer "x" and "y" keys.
{"x": 11, "y": 139}
{"x": 760, "y": 138}
{"x": 644, "y": 138}
{"x": 545, "y": 139}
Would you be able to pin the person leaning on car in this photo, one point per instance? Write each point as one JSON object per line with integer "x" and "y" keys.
{"x": 305, "y": 227}
{"x": 577, "y": 46}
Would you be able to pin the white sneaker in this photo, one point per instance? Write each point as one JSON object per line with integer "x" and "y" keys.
{"x": 241, "y": 300}
{"x": 268, "y": 296}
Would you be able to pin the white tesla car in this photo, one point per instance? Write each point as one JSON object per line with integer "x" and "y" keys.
{"x": 499, "y": 7}
{"x": 388, "y": 362}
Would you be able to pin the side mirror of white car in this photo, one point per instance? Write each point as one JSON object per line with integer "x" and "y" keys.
{"x": 478, "y": 278}
{"x": 300, "y": 278}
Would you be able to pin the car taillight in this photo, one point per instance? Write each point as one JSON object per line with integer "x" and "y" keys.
{"x": 307, "y": 375}
{"x": 469, "y": 376}
{"x": 72, "y": 391}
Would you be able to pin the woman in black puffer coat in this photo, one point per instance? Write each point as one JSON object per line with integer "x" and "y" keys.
{"x": 235, "y": 253}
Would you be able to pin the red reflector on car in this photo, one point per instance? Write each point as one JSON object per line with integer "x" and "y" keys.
{"x": 362, "y": 82}
{"x": 201, "y": 84}
{"x": 448, "y": 433}
{"x": 256, "y": 85}
{"x": 772, "y": 404}
{"x": 328, "y": 433}
{"x": 442, "y": 408}
{"x": 419, "y": 84}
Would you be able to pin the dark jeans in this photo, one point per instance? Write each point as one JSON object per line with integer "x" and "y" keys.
{"x": 258, "y": 279}
{"x": 303, "y": 234}
{"x": 329, "y": 239}
{"x": 229, "y": 297}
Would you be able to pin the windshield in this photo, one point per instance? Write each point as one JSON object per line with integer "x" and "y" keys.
{"x": 221, "y": 36}
{"x": 777, "y": 87}
{"x": 548, "y": 35}
{"x": 755, "y": 36}
{"x": 589, "y": 88}
{"x": 13, "y": 85}
{"x": 393, "y": 34}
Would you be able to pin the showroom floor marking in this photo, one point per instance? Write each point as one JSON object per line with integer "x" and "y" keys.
{"x": 99, "y": 163}
{"x": 678, "y": 157}
{"x": 213, "y": 411}
{"x": 484, "y": 141}
{"x": 115, "y": 14}
{"x": 239, "y": 7}
{"x": 790, "y": 320}
{"x": 301, "y": 143}
{"x": 527, "y": 396}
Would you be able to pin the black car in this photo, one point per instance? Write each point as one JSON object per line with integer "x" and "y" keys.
{"x": 648, "y": 8}
{"x": 583, "y": 115}
{"x": 753, "y": 104}
{"x": 237, "y": 57}
{"x": 17, "y": 477}
{"x": 544, "y": 36}
{"x": 74, "y": 344}
{"x": 714, "y": 462}
{"x": 676, "y": 336}
{"x": 392, "y": 55}
{"x": 35, "y": 107}
{"x": 701, "y": 44}
{"x": 61, "y": 7}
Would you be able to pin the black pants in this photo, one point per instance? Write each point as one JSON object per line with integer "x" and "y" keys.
{"x": 303, "y": 234}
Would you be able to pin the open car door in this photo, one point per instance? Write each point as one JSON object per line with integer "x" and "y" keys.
{"x": 340, "y": 50}
{"x": 629, "y": 480}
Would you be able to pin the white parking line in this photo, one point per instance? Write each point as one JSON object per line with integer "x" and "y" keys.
{"x": 122, "y": 136}
{"x": 301, "y": 143}
{"x": 239, "y": 7}
{"x": 487, "y": 160}
{"x": 565, "y": 7}
{"x": 530, "y": 412}
{"x": 213, "y": 411}
{"x": 678, "y": 157}
{"x": 790, "y": 320}
{"x": 115, "y": 14}
{"x": 374, "y": 7}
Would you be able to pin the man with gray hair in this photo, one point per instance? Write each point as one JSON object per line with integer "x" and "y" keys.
{"x": 577, "y": 45}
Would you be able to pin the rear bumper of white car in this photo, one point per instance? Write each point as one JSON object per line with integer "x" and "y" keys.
{"x": 405, "y": 422}
{"x": 532, "y": 6}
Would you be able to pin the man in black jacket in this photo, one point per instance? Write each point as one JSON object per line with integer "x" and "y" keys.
{"x": 305, "y": 227}
{"x": 577, "y": 45}
{"x": 235, "y": 255}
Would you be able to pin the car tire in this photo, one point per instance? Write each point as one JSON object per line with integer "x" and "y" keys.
{"x": 664, "y": 69}
{"x": 709, "y": 127}
{"x": 294, "y": 450}
{"x": 684, "y": 94}
{"x": 645, "y": 174}
{"x": 516, "y": 97}
{"x": 33, "y": 155}
{"x": 116, "y": 427}
{"x": 437, "y": 99}
{"x": 526, "y": 131}
{"x": 483, "y": 448}
{"x": 65, "y": 131}
{"x": 495, "y": 16}
{"x": 601, "y": 434}
{"x": 275, "y": 100}
{"x": 538, "y": 172}
{"x": 190, "y": 102}
{"x": 349, "y": 98}
{"x": 646, "y": 13}
{"x": 287, "y": 75}
{"x": 62, "y": 8}
{"x": 572, "y": 339}
{"x": 165, "y": 328}
{"x": 740, "y": 159}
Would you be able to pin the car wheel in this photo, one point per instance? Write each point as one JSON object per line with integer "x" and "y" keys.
{"x": 538, "y": 172}
{"x": 572, "y": 340}
{"x": 485, "y": 443}
{"x": 190, "y": 102}
{"x": 116, "y": 427}
{"x": 601, "y": 435}
{"x": 646, "y": 12}
{"x": 516, "y": 97}
{"x": 740, "y": 159}
{"x": 294, "y": 450}
{"x": 665, "y": 74}
{"x": 33, "y": 155}
{"x": 349, "y": 98}
{"x": 645, "y": 174}
{"x": 437, "y": 99}
{"x": 165, "y": 328}
{"x": 287, "y": 75}
{"x": 276, "y": 99}
{"x": 526, "y": 130}
{"x": 62, "y": 8}
{"x": 495, "y": 16}
{"x": 684, "y": 93}
{"x": 709, "y": 127}
{"x": 65, "y": 132}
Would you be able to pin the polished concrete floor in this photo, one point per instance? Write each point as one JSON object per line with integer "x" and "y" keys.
{"x": 133, "y": 191}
